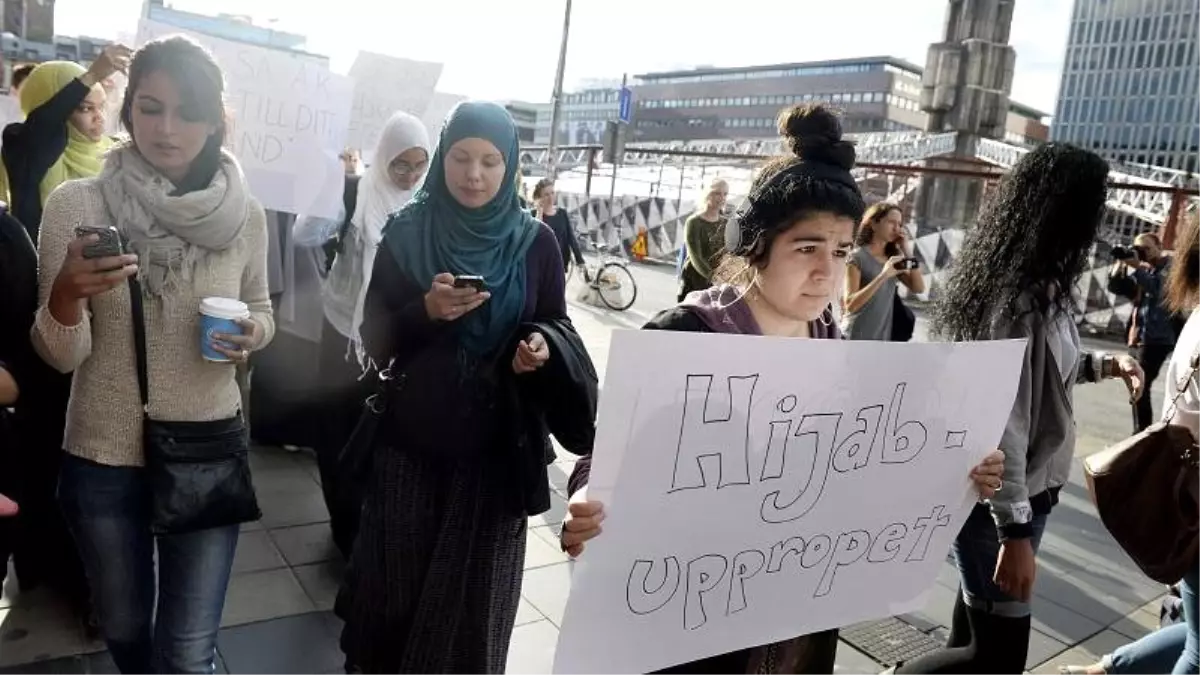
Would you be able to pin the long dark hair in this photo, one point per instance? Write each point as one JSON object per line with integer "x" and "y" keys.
{"x": 814, "y": 134}
{"x": 1033, "y": 236}
{"x": 202, "y": 87}
{"x": 1183, "y": 285}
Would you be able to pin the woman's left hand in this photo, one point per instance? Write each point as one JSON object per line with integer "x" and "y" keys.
{"x": 987, "y": 475}
{"x": 1127, "y": 368}
{"x": 532, "y": 353}
{"x": 242, "y": 344}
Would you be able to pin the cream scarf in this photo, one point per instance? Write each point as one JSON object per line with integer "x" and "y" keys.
{"x": 171, "y": 234}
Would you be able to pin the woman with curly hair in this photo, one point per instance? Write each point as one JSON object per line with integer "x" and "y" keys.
{"x": 1015, "y": 279}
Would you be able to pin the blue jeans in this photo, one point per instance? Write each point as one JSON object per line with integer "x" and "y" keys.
{"x": 975, "y": 551}
{"x": 1154, "y": 653}
{"x": 108, "y": 511}
{"x": 1189, "y": 661}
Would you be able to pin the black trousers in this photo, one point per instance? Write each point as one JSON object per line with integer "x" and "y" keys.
{"x": 343, "y": 391}
{"x": 31, "y": 453}
{"x": 1151, "y": 358}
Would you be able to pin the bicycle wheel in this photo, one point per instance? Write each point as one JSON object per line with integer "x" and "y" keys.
{"x": 616, "y": 286}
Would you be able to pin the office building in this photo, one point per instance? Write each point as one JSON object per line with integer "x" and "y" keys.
{"x": 31, "y": 20}
{"x": 581, "y": 118}
{"x": 228, "y": 27}
{"x": 874, "y": 94}
{"x": 525, "y": 115}
{"x": 1129, "y": 82}
{"x": 81, "y": 49}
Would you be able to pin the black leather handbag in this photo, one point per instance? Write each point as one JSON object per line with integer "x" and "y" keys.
{"x": 199, "y": 472}
{"x": 904, "y": 322}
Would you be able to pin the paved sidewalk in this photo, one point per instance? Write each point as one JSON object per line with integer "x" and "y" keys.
{"x": 1090, "y": 598}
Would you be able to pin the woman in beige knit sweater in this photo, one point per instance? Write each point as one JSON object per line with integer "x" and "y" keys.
{"x": 191, "y": 230}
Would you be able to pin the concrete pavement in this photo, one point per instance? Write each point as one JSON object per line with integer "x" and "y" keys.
{"x": 1090, "y": 597}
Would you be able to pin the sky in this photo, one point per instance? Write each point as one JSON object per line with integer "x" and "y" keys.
{"x": 509, "y": 50}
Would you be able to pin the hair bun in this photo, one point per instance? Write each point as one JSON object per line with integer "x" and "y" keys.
{"x": 814, "y": 133}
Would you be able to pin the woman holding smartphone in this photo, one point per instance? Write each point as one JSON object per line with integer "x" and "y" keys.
{"x": 882, "y": 259}
{"x": 192, "y": 229}
{"x": 476, "y": 370}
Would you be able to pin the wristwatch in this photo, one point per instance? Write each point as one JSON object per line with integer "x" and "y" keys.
{"x": 1108, "y": 366}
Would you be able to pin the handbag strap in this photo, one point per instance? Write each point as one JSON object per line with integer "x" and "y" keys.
{"x": 1181, "y": 387}
{"x": 139, "y": 340}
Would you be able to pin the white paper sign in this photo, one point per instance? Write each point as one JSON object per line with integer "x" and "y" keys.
{"x": 439, "y": 109}
{"x": 290, "y": 116}
{"x": 10, "y": 111}
{"x": 385, "y": 85}
{"x": 758, "y": 489}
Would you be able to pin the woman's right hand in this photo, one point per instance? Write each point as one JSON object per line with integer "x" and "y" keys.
{"x": 81, "y": 277}
{"x": 444, "y": 302}
{"x": 581, "y": 523}
{"x": 113, "y": 59}
{"x": 890, "y": 268}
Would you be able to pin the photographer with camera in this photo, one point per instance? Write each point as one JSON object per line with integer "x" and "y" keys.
{"x": 1138, "y": 273}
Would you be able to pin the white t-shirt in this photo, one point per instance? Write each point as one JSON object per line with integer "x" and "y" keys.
{"x": 1188, "y": 412}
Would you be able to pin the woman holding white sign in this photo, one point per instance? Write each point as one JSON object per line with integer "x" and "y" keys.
{"x": 786, "y": 255}
{"x": 1015, "y": 279}
{"x": 350, "y": 242}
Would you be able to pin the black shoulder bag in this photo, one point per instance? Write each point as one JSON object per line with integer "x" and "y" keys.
{"x": 904, "y": 322}
{"x": 199, "y": 472}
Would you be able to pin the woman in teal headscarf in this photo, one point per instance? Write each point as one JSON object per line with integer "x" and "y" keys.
{"x": 466, "y": 318}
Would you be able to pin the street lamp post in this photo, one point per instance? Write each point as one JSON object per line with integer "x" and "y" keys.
{"x": 556, "y": 103}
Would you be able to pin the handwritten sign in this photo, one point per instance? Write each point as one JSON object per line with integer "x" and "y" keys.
{"x": 437, "y": 112}
{"x": 289, "y": 114}
{"x": 385, "y": 85}
{"x": 758, "y": 489}
{"x": 10, "y": 111}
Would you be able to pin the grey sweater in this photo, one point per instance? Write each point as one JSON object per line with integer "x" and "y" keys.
{"x": 1039, "y": 437}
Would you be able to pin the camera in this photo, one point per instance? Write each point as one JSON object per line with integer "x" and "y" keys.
{"x": 1125, "y": 253}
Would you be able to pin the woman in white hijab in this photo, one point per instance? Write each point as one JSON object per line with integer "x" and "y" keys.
{"x": 397, "y": 167}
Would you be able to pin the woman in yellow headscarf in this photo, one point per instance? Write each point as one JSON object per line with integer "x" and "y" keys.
{"x": 62, "y": 137}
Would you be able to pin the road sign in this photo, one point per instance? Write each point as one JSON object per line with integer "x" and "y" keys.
{"x": 625, "y": 105}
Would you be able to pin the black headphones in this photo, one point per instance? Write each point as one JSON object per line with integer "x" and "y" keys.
{"x": 744, "y": 231}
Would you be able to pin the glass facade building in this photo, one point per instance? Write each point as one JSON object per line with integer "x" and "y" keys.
{"x": 1129, "y": 82}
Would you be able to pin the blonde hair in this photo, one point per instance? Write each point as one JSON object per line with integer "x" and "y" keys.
{"x": 702, "y": 204}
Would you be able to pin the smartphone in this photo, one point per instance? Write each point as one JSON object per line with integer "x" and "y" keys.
{"x": 108, "y": 245}
{"x": 908, "y": 264}
{"x": 470, "y": 281}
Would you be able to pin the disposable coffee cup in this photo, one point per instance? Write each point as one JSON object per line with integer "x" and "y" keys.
{"x": 220, "y": 315}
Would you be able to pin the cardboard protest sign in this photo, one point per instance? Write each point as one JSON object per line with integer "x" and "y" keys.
{"x": 384, "y": 85}
{"x": 289, "y": 118}
{"x": 759, "y": 489}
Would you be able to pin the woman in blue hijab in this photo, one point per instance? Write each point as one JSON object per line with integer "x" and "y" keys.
{"x": 466, "y": 319}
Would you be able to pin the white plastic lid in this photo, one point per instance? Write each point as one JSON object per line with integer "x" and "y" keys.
{"x": 224, "y": 308}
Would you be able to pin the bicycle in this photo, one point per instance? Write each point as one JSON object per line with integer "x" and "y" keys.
{"x": 610, "y": 278}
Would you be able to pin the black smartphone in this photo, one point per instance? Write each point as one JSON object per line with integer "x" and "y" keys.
{"x": 108, "y": 245}
{"x": 908, "y": 264}
{"x": 470, "y": 281}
